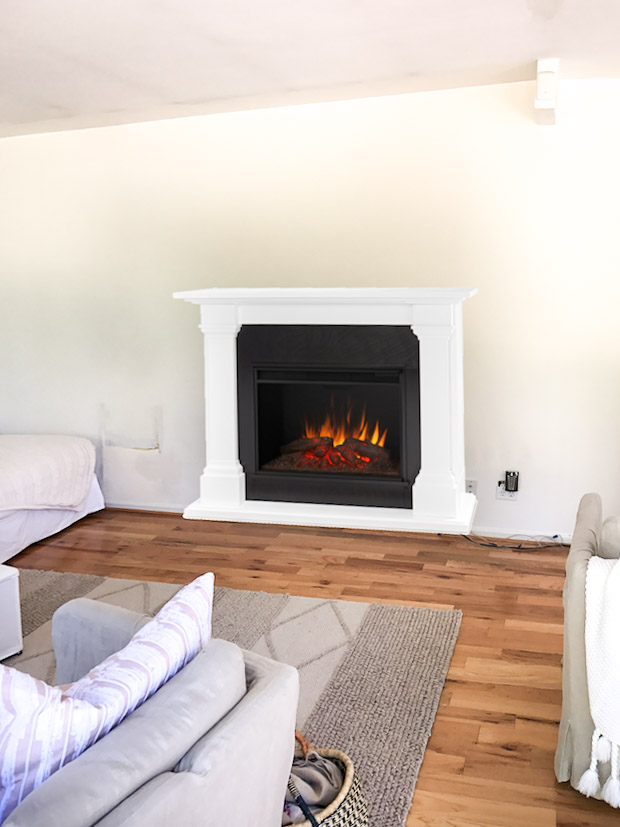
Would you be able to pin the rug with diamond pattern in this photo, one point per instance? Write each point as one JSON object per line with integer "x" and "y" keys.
{"x": 371, "y": 674}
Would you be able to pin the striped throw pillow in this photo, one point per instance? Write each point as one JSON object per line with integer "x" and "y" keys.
{"x": 42, "y": 727}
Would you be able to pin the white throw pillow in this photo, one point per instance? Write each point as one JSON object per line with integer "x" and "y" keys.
{"x": 42, "y": 728}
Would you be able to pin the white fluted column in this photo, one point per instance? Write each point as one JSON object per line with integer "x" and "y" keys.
{"x": 440, "y": 485}
{"x": 223, "y": 481}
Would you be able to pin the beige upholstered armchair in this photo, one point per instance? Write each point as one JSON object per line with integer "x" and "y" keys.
{"x": 591, "y": 537}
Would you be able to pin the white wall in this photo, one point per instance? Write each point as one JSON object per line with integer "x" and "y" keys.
{"x": 456, "y": 188}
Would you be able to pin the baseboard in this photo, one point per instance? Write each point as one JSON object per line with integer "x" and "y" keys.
{"x": 158, "y": 509}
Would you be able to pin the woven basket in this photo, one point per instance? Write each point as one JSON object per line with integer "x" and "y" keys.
{"x": 349, "y": 808}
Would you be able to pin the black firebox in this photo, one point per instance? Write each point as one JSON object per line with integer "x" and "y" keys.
{"x": 329, "y": 413}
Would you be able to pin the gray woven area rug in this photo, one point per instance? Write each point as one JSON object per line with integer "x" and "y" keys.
{"x": 371, "y": 674}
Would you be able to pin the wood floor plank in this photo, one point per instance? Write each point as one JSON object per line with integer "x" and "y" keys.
{"x": 489, "y": 760}
{"x": 449, "y": 809}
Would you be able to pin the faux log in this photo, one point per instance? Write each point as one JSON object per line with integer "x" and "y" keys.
{"x": 364, "y": 449}
{"x": 307, "y": 444}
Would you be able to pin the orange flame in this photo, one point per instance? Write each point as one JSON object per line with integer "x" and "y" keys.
{"x": 339, "y": 426}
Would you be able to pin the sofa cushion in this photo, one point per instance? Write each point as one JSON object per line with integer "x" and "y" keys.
{"x": 149, "y": 742}
{"x": 155, "y": 653}
{"x": 609, "y": 540}
{"x": 43, "y": 728}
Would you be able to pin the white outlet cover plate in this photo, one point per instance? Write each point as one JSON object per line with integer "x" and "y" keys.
{"x": 502, "y": 494}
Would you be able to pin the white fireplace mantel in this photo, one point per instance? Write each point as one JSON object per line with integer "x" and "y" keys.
{"x": 440, "y": 502}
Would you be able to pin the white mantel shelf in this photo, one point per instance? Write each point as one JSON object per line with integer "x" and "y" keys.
{"x": 440, "y": 502}
{"x": 327, "y": 295}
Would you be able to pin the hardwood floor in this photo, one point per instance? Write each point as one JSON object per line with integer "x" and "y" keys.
{"x": 489, "y": 761}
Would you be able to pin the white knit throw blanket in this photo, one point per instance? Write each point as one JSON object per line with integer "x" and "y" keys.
{"x": 603, "y": 671}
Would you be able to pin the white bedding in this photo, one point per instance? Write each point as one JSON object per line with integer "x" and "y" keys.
{"x": 22, "y": 527}
{"x": 44, "y": 471}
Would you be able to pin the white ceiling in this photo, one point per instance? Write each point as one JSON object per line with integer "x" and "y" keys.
{"x": 68, "y": 64}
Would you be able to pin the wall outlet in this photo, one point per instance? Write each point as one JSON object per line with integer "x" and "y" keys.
{"x": 471, "y": 486}
{"x": 502, "y": 494}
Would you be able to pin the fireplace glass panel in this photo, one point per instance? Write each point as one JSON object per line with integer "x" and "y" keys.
{"x": 330, "y": 422}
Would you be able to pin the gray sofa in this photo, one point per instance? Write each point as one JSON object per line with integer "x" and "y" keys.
{"x": 572, "y": 756}
{"x": 213, "y": 747}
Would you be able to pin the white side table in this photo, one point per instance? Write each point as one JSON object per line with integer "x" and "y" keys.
{"x": 10, "y": 616}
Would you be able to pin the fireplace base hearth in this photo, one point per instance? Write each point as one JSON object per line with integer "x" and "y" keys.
{"x": 439, "y": 502}
{"x": 337, "y": 516}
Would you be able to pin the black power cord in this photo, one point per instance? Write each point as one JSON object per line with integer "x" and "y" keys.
{"x": 484, "y": 542}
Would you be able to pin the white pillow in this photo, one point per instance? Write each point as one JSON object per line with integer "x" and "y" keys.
{"x": 42, "y": 728}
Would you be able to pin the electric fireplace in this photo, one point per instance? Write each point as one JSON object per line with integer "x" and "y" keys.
{"x": 334, "y": 407}
{"x": 329, "y": 413}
